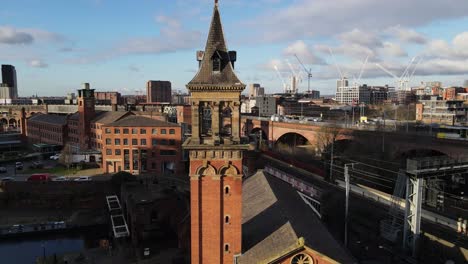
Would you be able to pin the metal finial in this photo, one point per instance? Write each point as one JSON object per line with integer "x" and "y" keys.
{"x": 216, "y": 2}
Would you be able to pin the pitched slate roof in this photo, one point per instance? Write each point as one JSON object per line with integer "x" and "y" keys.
{"x": 140, "y": 121}
{"x": 49, "y": 118}
{"x": 109, "y": 117}
{"x": 275, "y": 217}
{"x": 215, "y": 46}
{"x": 75, "y": 116}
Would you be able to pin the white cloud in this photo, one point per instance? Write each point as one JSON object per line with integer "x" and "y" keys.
{"x": 457, "y": 50}
{"x": 351, "y": 50}
{"x": 407, "y": 35}
{"x": 306, "y": 18}
{"x": 390, "y": 49}
{"x": 460, "y": 42}
{"x": 363, "y": 38}
{"x": 38, "y": 64}
{"x": 172, "y": 37}
{"x": 303, "y": 51}
{"x": 10, "y": 35}
{"x": 46, "y": 36}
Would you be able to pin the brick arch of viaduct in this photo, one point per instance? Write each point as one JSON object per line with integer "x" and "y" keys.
{"x": 397, "y": 144}
{"x": 11, "y": 115}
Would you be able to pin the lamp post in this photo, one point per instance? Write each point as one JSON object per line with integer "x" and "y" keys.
{"x": 43, "y": 253}
{"x": 347, "y": 183}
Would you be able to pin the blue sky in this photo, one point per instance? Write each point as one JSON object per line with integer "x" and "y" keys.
{"x": 120, "y": 44}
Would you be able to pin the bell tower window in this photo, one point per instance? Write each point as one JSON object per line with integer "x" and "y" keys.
{"x": 216, "y": 64}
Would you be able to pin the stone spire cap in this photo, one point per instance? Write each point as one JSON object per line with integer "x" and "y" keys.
{"x": 208, "y": 79}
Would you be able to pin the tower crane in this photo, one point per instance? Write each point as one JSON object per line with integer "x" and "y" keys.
{"x": 285, "y": 86}
{"x": 405, "y": 77}
{"x": 309, "y": 73}
{"x": 336, "y": 64}
{"x": 357, "y": 82}
{"x": 295, "y": 80}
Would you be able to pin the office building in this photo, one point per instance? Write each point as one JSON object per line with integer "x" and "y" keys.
{"x": 158, "y": 92}
{"x": 256, "y": 90}
{"x": 9, "y": 85}
{"x": 351, "y": 94}
{"x": 265, "y": 105}
{"x": 443, "y": 112}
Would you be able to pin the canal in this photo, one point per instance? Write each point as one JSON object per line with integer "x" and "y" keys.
{"x": 26, "y": 250}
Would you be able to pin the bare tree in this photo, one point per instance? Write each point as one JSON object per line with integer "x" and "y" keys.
{"x": 66, "y": 157}
{"x": 326, "y": 136}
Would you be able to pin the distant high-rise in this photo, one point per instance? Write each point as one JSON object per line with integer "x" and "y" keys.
{"x": 8, "y": 87}
{"x": 253, "y": 88}
{"x": 158, "y": 92}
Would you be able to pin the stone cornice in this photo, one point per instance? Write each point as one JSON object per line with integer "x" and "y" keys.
{"x": 216, "y": 87}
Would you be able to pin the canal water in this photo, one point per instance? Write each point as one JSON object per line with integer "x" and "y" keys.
{"x": 26, "y": 250}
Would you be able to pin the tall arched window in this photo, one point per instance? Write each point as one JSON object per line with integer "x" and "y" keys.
{"x": 226, "y": 248}
{"x": 227, "y": 219}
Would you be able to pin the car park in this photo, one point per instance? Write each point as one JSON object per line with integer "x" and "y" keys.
{"x": 61, "y": 179}
{"x": 37, "y": 165}
{"x": 19, "y": 165}
{"x": 55, "y": 157}
{"x": 40, "y": 177}
{"x": 82, "y": 178}
{"x": 7, "y": 179}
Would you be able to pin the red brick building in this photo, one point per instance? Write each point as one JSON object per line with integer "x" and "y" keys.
{"x": 138, "y": 144}
{"x": 47, "y": 128}
{"x": 452, "y": 92}
{"x": 73, "y": 134}
{"x": 108, "y": 98}
{"x": 158, "y": 92}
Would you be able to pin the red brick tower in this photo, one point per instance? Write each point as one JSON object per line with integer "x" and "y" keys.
{"x": 215, "y": 153}
{"x": 86, "y": 111}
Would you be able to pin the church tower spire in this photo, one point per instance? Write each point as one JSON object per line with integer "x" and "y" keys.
{"x": 216, "y": 152}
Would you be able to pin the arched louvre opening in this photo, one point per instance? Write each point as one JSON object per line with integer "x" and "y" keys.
{"x": 226, "y": 120}
{"x": 206, "y": 119}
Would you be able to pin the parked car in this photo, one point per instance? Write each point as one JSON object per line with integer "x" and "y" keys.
{"x": 6, "y": 179}
{"x": 19, "y": 165}
{"x": 83, "y": 178}
{"x": 40, "y": 177}
{"x": 61, "y": 178}
{"x": 3, "y": 169}
{"x": 55, "y": 157}
{"x": 37, "y": 165}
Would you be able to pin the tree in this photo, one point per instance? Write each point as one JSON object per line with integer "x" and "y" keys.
{"x": 66, "y": 157}
{"x": 326, "y": 136}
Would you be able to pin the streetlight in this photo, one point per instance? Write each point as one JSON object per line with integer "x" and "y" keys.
{"x": 43, "y": 252}
{"x": 347, "y": 183}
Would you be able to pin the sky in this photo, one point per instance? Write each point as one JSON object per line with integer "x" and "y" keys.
{"x": 118, "y": 45}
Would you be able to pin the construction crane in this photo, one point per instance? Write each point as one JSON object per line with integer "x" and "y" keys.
{"x": 357, "y": 82}
{"x": 309, "y": 73}
{"x": 285, "y": 87}
{"x": 295, "y": 78}
{"x": 336, "y": 64}
{"x": 402, "y": 81}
